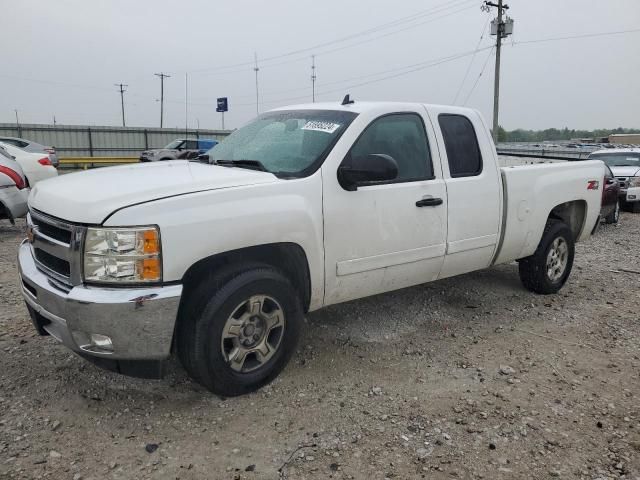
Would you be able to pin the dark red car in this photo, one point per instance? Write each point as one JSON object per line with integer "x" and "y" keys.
{"x": 610, "y": 210}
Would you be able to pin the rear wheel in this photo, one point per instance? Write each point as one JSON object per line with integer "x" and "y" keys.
{"x": 614, "y": 216}
{"x": 547, "y": 270}
{"x": 240, "y": 329}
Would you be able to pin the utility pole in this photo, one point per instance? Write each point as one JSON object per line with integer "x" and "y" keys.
{"x": 122, "y": 90}
{"x": 313, "y": 78}
{"x": 186, "y": 105}
{"x": 256, "y": 69}
{"x": 18, "y": 123}
{"x": 501, "y": 30}
{"x": 162, "y": 76}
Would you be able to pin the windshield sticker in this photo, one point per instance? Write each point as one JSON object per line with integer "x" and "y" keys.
{"x": 317, "y": 126}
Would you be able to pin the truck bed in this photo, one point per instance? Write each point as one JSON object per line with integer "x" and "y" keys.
{"x": 530, "y": 193}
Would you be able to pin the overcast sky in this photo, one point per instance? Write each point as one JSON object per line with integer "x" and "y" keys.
{"x": 62, "y": 58}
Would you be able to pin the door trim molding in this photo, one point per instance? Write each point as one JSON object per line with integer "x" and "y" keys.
{"x": 471, "y": 243}
{"x": 365, "y": 264}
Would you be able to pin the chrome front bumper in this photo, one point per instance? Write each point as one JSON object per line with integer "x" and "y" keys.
{"x": 138, "y": 321}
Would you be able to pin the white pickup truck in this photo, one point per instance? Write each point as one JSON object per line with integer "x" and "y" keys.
{"x": 303, "y": 207}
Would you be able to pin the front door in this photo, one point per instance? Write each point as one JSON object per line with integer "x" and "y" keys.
{"x": 386, "y": 236}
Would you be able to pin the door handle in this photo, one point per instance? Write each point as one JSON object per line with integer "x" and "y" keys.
{"x": 429, "y": 202}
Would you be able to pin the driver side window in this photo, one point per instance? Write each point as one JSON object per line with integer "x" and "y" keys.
{"x": 402, "y": 136}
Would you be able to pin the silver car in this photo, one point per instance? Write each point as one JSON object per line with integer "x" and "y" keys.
{"x": 14, "y": 188}
{"x": 30, "y": 146}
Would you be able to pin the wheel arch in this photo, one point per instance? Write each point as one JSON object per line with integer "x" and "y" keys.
{"x": 573, "y": 213}
{"x": 289, "y": 258}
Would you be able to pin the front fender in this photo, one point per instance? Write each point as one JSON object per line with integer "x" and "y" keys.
{"x": 198, "y": 225}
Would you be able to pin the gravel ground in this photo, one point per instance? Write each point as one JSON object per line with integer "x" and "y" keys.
{"x": 470, "y": 377}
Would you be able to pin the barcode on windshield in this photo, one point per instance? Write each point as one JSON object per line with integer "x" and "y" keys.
{"x": 327, "y": 127}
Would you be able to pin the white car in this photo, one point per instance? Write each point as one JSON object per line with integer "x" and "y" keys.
{"x": 625, "y": 165}
{"x": 36, "y": 166}
{"x": 304, "y": 207}
{"x": 14, "y": 191}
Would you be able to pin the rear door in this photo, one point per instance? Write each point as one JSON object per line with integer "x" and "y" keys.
{"x": 386, "y": 235}
{"x": 473, "y": 189}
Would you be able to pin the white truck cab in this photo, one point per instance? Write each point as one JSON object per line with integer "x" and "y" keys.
{"x": 304, "y": 207}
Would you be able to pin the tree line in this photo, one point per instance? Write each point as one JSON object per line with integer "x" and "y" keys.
{"x": 555, "y": 134}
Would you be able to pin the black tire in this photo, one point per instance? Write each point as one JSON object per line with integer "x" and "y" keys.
{"x": 635, "y": 207}
{"x": 206, "y": 312}
{"x": 614, "y": 216}
{"x": 533, "y": 270}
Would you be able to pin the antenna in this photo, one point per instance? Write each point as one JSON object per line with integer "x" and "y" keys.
{"x": 347, "y": 100}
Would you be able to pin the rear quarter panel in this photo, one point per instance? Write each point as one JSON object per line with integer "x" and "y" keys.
{"x": 531, "y": 192}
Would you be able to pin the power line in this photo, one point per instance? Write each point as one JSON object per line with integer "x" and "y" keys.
{"x": 571, "y": 37}
{"x": 408, "y": 19}
{"x": 94, "y": 87}
{"x": 400, "y": 69}
{"x": 122, "y": 90}
{"x": 401, "y": 72}
{"x": 466, "y": 74}
{"x": 486, "y": 62}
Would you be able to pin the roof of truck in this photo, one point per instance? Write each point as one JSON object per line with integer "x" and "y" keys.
{"x": 364, "y": 106}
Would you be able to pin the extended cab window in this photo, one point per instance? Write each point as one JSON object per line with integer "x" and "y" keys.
{"x": 402, "y": 137}
{"x": 461, "y": 144}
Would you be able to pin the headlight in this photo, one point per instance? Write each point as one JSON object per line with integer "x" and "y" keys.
{"x": 122, "y": 255}
{"x": 634, "y": 181}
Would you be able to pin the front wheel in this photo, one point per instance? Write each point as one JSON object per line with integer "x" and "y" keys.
{"x": 240, "y": 330}
{"x": 547, "y": 270}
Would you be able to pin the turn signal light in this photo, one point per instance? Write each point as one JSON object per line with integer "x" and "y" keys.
{"x": 149, "y": 269}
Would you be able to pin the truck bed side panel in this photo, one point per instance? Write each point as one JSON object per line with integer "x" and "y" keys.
{"x": 533, "y": 191}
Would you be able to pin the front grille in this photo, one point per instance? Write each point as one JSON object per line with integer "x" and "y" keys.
{"x": 56, "y": 246}
{"x": 56, "y": 264}
{"x": 623, "y": 182}
{"x": 55, "y": 232}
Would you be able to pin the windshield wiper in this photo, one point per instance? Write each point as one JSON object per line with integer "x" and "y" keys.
{"x": 250, "y": 164}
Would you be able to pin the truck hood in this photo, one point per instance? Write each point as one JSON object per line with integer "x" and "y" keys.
{"x": 91, "y": 196}
{"x": 626, "y": 171}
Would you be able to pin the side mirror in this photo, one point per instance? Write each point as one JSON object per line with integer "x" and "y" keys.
{"x": 204, "y": 158}
{"x": 375, "y": 167}
{"x": 611, "y": 181}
